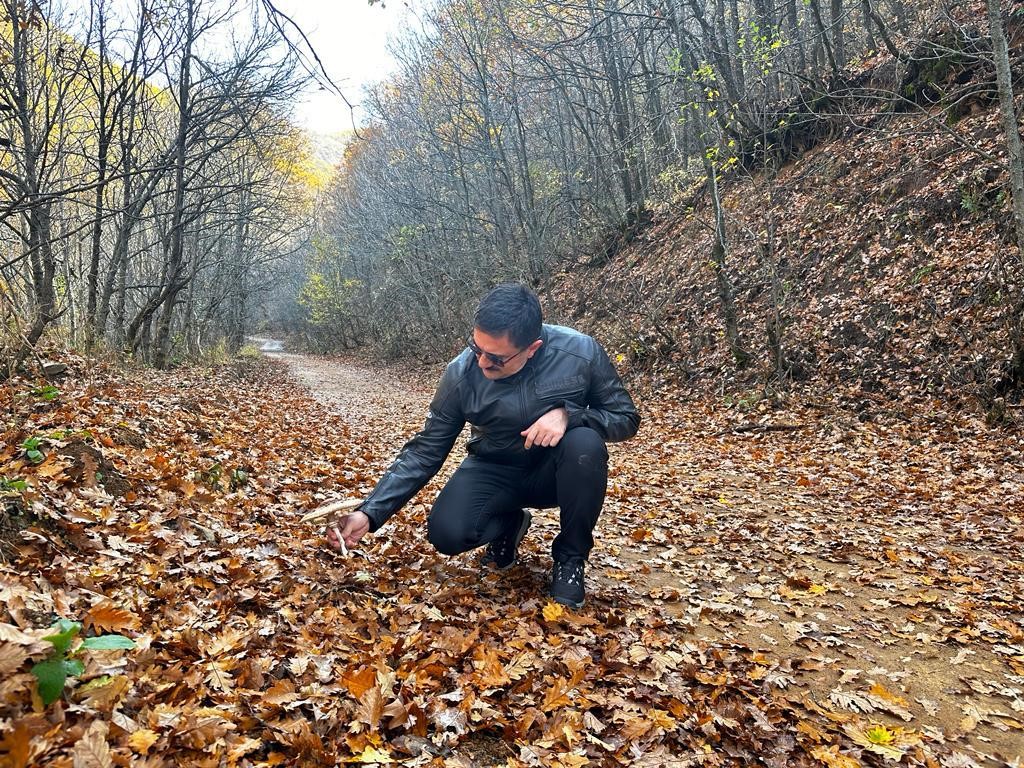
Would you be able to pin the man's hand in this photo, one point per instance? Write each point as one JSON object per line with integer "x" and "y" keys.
{"x": 547, "y": 430}
{"x": 352, "y": 528}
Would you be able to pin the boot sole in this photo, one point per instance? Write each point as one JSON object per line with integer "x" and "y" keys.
{"x": 567, "y": 602}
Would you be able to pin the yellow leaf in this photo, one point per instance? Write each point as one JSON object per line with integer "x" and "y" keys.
{"x": 17, "y": 745}
{"x": 558, "y": 696}
{"x": 831, "y": 757}
{"x": 218, "y": 675}
{"x": 662, "y": 719}
{"x": 553, "y": 611}
{"x": 884, "y": 693}
{"x": 359, "y": 682}
{"x": 229, "y": 640}
{"x": 11, "y": 658}
{"x": 888, "y": 742}
{"x": 879, "y": 734}
{"x": 573, "y": 761}
{"x": 373, "y": 756}
{"x": 811, "y": 730}
{"x": 51, "y": 469}
{"x": 280, "y": 693}
{"x": 370, "y": 710}
{"x": 142, "y": 740}
{"x": 817, "y": 589}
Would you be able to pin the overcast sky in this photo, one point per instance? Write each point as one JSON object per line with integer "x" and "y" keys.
{"x": 350, "y": 36}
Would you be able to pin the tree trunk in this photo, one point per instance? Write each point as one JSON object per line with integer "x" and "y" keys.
{"x": 824, "y": 43}
{"x": 620, "y": 128}
{"x": 1004, "y": 81}
{"x": 796, "y": 35}
{"x": 719, "y": 252}
{"x": 837, "y": 21}
{"x": 39, "y": 240}
{"x": 176, "y": 267}
{"x": 102, "y": 151}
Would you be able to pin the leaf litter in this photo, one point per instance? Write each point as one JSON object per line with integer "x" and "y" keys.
{"x": 838, "y": 594}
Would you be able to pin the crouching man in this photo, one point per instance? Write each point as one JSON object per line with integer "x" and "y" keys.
{"x": 542, "y": 401}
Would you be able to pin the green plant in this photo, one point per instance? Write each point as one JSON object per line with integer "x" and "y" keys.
{"x": 922, "y": 273}
{"x": 15, "y": 484}
{"x": 52, "y": 673}
{"x": 31, "y": 449}
{"x": 239, "y": 478}
{"x": 67, "y": 434}
{"x": 47, "y": 392}
{"x": 211, "y": 477}
{"x": 970, "y": 201}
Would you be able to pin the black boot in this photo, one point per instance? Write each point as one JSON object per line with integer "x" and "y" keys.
{"x": 567, "y": 582}
{"x": 503, "y": 552}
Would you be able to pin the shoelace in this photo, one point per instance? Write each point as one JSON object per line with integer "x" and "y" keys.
{"x": 499, "y": 548}
{"x": 570, "y": 573}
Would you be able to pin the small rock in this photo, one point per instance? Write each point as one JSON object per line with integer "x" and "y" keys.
{"x": 52, "y": 369}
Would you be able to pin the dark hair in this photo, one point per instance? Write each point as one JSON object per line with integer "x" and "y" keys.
{"x": 510, "y": 308}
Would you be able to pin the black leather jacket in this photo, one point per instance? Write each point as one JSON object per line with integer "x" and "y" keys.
{"x": 569, "y": 370}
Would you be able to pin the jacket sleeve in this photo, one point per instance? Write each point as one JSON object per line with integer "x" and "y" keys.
{"x": 609, "y": 409}
{"x": 421, "y": 457}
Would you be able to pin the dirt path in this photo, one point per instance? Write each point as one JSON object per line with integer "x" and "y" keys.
{"x": 877, "y": 564}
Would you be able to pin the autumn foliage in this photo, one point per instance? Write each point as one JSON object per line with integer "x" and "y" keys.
{"x": 165, "y": 507}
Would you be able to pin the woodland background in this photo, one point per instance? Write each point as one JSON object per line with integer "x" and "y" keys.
{"x": 797, "y": 226}
{"x": 758, "y": 192}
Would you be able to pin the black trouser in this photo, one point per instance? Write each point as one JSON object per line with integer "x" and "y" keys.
{"x": 480, "y": 501}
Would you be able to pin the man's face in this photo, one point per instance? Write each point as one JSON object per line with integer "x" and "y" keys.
{"x": 501, "y": 348}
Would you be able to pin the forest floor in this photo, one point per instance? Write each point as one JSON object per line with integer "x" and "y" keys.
{"x": 880, "y": 566}
{"x": 789, "y": 585}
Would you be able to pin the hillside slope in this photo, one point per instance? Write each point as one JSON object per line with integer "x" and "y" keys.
{"x": 884, "y": 256}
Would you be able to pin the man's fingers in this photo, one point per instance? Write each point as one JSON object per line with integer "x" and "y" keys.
{"x": 354, "y": 530}
{"x": 352, "y": 537}
{"x": 541, "y": 438}
{"x": 538, "y": 434}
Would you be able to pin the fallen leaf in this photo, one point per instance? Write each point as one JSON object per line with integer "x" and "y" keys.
{"x": 360, "y": 681}
{"x": 832, "y": 758}
{"x": 92, "y": 750}
{"x": 141, "y": 740}
{"x": 372, "y": 756}
{"x": 553, "y": 611}
{"x": 109, "y": 618}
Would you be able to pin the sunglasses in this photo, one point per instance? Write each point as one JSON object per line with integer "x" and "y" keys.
{"x": 495, "y": 360}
